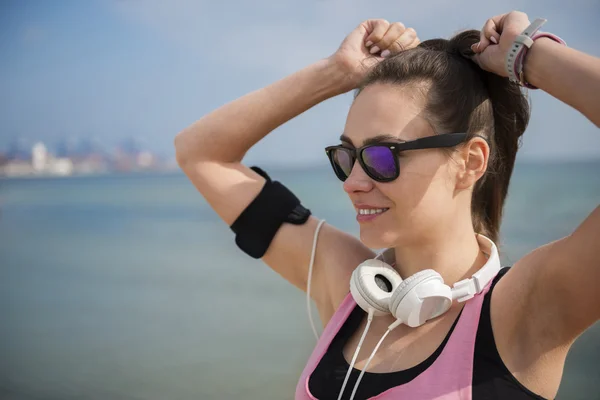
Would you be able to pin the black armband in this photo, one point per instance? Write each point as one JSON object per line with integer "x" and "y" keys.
{"x": 257, "y": 225}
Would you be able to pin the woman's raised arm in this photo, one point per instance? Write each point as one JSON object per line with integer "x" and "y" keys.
{"x": 210, "y": 152}
{"x": 551, "y": 295}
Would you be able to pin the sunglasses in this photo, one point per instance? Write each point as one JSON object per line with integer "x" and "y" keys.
{"x": 380, "y": 160}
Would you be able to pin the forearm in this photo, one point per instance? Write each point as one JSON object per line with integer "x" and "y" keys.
{"x": 226, "y": 134}
{"x": 567, "y": 74}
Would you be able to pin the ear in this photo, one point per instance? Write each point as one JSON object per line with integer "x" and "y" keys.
{"x": 475, "y": 156}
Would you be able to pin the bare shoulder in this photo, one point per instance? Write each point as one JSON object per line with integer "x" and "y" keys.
{"x": 337, "y": 254}
{"x": 524, "y": 342}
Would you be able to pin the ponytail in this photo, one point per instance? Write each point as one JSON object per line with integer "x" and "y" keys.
{"x": 502, "y": 116}
{"x": 510, "y": 117}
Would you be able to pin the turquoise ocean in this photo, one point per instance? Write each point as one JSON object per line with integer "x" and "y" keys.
{"x": 130, "y": 287}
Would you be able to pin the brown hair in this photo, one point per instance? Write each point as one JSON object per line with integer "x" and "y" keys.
{"x": 462, "y": 97}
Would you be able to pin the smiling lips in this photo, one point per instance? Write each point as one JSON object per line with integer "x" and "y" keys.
{"x": 366, "y": 213}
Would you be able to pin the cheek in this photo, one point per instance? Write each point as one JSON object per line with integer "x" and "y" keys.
{"x": 422, "y": 188}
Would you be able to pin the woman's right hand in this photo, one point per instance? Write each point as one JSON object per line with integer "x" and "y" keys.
{"x": 368, "y": 44}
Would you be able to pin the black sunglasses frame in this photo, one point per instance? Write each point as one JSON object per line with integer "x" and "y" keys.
{"x": 429, "y": 142}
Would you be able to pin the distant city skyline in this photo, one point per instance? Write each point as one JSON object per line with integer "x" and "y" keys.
{"x": 116, "y": 69}
{"x": 73, "y": 144}
{"x": 85, "y": 157}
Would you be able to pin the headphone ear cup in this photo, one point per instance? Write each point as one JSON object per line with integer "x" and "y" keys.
{"x": 372, "y": 284}
{"x": 420, "y": 297}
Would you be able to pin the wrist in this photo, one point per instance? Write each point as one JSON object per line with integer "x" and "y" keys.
{"x": 345, "y": 76}
{"x": 532, "y": 62}
{"x": 520, "y": 48}
{"x": 315, "y": 83}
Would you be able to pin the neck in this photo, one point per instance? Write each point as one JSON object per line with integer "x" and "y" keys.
{"x": 453, "y": 253}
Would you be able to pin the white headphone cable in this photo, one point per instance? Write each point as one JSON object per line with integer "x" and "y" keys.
{"x": 389, "y": 329}
{"x": 310, "y": 268}
{"x": 362, "y": 338}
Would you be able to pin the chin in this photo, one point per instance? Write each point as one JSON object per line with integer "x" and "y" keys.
{"x": 377, "y": 239}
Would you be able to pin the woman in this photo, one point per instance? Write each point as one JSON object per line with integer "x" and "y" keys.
{"x": 436, "y": 207}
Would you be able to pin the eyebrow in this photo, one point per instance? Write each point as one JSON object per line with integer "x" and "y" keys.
{"x": 374, "y": 139}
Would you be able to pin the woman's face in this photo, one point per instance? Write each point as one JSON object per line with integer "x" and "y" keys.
{"x": 422, "y": 198}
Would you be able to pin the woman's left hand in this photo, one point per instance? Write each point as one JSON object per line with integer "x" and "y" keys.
{"x": 497, "y": 36}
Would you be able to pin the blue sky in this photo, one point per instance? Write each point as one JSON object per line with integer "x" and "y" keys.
{"x": 147, "y": 68}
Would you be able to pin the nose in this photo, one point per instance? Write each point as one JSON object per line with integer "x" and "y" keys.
{"x": 358, "y": 180}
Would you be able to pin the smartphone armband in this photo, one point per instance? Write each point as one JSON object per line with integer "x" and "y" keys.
{"x": 257, "y": 225}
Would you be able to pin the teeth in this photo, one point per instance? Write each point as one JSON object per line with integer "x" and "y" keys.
{"x": 371, "y": 211}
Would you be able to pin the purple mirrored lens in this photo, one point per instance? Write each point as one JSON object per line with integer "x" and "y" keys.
{"x": 344, "y": 161}
{"x": 380, "y": 161}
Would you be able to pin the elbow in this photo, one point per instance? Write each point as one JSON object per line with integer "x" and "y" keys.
{"x": 181, "y": 155}
{"x": 187, "y": 148}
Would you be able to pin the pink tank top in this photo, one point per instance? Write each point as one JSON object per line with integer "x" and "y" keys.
{"x": 448, "y": 378}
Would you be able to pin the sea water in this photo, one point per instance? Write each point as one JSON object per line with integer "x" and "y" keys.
{"x": 130, "y": 287}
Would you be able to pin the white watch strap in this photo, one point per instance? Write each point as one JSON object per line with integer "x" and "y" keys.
{"x": 524, "y": 39}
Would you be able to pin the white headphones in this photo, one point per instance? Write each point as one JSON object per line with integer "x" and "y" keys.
{"x": 379, "y": 290}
